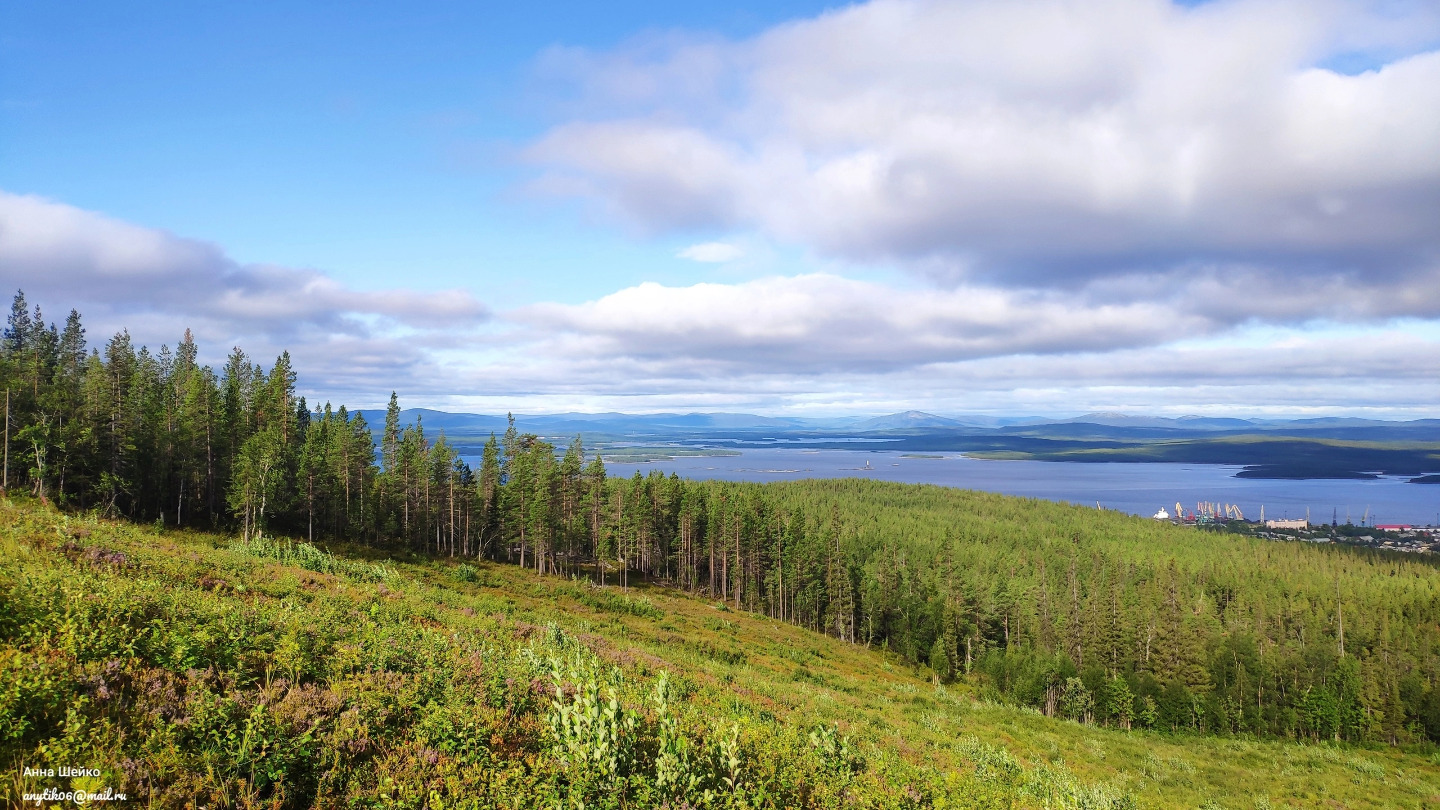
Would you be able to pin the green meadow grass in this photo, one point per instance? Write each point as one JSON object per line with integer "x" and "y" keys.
{"x": 193, "y": 670}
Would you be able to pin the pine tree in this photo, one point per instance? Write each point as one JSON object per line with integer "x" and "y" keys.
{"x": 487, "y": 497}
{"x": 18, "y": 326}
{"x": 594, "y": 506}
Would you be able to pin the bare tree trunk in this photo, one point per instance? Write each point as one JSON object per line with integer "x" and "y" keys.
{"x": 739, "y": 572}
{"x": 522, "y": 528}
{"x": 780, "y": 570}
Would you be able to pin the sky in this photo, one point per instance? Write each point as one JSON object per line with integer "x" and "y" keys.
{"x": 979, "y": 206}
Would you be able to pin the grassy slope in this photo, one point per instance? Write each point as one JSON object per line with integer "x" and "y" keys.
{"x": 746, "y": 664}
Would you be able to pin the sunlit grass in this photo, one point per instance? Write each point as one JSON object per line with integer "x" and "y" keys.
{"x": 260, "y": 612}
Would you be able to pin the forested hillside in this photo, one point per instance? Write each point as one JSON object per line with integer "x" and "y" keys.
{"x": 191, "y": 669}
{"x": 1094, "y": 616}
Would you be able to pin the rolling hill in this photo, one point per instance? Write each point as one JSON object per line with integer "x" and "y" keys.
{"x": 190, "y": 668}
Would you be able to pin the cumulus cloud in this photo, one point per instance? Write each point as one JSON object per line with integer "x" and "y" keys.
{"x": 823, "y": 323}
{"x": 1090, "y": 194}
{"x": 712, "y": 253}
{"x": 1098, "y": 202}
{"x": 811, "y": 343}
{"x": 57, "y": 247}
{"x": 1387, "y": 372}
{"x": 1035, "y": 145}
{"x": 121, "y": 275}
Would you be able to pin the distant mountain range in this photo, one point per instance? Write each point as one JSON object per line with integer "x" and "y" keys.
{"x": 905, "y": 421}
{"x": 1131, "y": 420}
{"x": 687, "y": 423}
{"x": 1092, "y": 425}
{"x": 1333, "y": 447}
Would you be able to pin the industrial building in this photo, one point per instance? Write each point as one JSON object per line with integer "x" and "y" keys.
{"x": 1298, "y": 523}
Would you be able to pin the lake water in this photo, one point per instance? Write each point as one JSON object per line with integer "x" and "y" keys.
{"x": 1139, "y": 489}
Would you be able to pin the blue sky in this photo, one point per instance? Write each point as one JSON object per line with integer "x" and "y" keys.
{"x": 1042, "y": 207}
{"x": 357, "y": 140}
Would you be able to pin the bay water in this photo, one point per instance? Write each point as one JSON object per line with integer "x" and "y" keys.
{"x": 1139, "y": 489}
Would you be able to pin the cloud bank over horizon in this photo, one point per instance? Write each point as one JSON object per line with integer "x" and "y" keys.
{"x": 815, "y": 343}
{"x": 1046, "y": 207}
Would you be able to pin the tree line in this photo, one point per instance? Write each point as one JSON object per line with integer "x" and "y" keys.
{"x": 1094, "y": 616}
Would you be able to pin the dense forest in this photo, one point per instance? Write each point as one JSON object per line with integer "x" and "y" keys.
{"x": 1094, "y": 616}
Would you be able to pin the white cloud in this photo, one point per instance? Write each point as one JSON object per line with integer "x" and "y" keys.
{"x": 1089, "y": 189}
{"x": 712, "y": 253}
{"x": 157, "y": 285}
{"x": 823, "y": 324}
{"x": 1384, "y": 372}
{"x": 1037, "y": 144}
{"x": 828, "y": 324}
{"x": 812, "y": 343}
